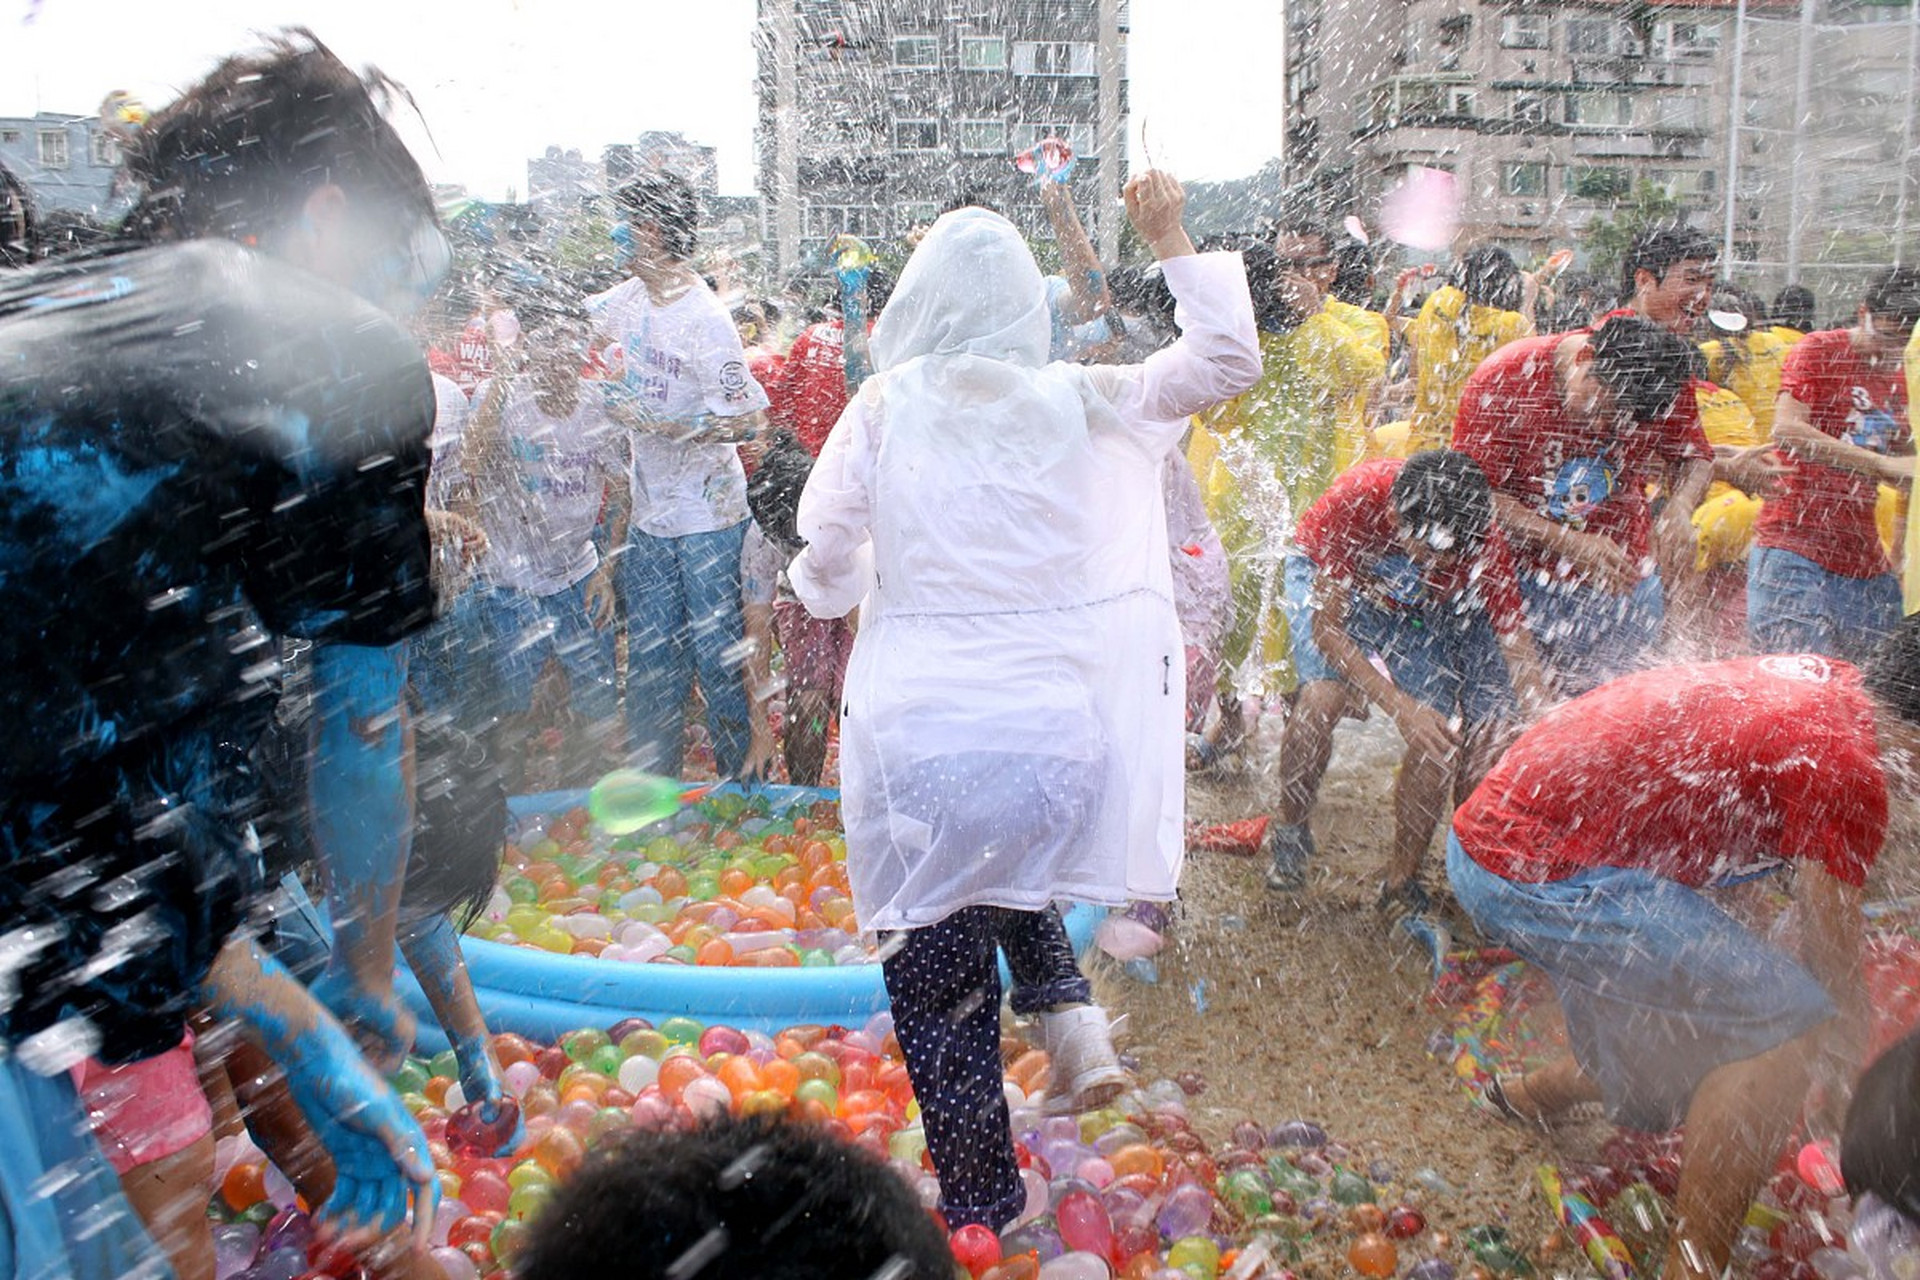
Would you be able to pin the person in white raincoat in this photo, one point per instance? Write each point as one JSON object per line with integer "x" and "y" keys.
{"x": 1011, "y": 729}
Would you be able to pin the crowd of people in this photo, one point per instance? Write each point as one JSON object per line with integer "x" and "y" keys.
{"x": 321, "y": 536}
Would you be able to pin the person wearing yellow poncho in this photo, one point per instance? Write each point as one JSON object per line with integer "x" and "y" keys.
{"x": 1461, "y": 323}
{"x": 1747, "y": 362}
{"x": 1264, "y": 456}
{"x": 1912, "y": 557}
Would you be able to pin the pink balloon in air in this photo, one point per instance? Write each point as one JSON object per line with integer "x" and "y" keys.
{"x": 1423, "y": 212}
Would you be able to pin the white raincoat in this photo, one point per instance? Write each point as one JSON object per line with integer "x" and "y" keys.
{"x": 1011, "y": 730}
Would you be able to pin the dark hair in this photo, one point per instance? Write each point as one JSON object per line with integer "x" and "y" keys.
{"x": 1301, "y": 223}
{"x": 1273, "y": 309}
{"x": 1353, "y": 283}
{"x": 1892, "y": 675}
{"x": 238, "y": 153}
{"x": 773, "y": 491}
{"x": 668, "y": 202}
{"x": 1661, "y": 246}
{"x": 1142, "y": 291}
{"x": 750, "y": 1199}
{"x": 1489, "y": 277}
{"x": 1880, "y": 1143}
{"x": 1439, "y": 491}
{"x": 1642, "y": 365}
{"x": 1568, "y": 311}
{"x": 16, "y": 221}
{"x": 1895, "y": 292}
{"x": 459, "y": 823}
{"x": 1793, "y": 307}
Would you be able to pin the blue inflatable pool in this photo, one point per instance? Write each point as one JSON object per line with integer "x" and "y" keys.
{"x": 542, "y": 995}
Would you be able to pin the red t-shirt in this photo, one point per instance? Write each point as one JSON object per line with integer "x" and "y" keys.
{"x": 1512, "y": 422}
{"x": 1349, "y": 534}
{"x": 1698, "y": 773}
{"x": 1826, "y": 513}
{"x": 814, "y": 393}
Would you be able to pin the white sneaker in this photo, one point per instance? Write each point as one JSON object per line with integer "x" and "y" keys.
{"x": 1084, "y": 1071}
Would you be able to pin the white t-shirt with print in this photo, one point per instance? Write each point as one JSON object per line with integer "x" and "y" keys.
{"x": 680, "y": 360}
{"x": 540, "y": 526}
{"x": 450, "y": 410}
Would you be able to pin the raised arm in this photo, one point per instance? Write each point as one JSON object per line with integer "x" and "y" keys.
{"x": 1218, "y": 353}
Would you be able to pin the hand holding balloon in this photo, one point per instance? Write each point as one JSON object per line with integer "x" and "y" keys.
{"x": 1051, "y": 160}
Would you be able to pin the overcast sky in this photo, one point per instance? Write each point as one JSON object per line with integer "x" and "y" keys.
{"x": 498, "y": 81}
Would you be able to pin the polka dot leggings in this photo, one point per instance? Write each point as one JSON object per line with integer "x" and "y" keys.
{"x": 944, "y": 983}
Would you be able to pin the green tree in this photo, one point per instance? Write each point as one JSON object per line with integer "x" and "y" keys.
{"x": 1606, "y": 239}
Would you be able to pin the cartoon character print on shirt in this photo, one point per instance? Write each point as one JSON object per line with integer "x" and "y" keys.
{"x": 1869, "y": 425}
{"x": 1580, "y": 486}
{"x": 1397, "y": 580}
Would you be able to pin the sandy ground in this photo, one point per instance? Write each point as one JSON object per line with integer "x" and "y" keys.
{"x": 1318, "y": 1013}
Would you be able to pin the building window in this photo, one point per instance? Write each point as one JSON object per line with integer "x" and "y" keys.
{"x": 983, "y": 137}
{"x": 9, "y": 135}
{"x": 105, "y": 151}
{"x": 1526, "y": 178}
{"x": 1524, "y": 31}
{"x": 916, "y": 53}
{"x": 983, "y": 53}
{"x": 1678, "y": 113}
{"x": 916, "y": 135}
{"x": 1597, "y": 37}
{"x": 1689, "y": 40}
{"x": 913, "y": 214}
{"x": 825, "y": 221}
{"x": 1528, "y": 108}
{"x": 1053, "y": 58}
{"x": 1590, "y": 182}
{"x": 1460, "y": 102}
{"x": 1600, "y": 110}
{"x": 1079, "y": 136}
{"x": 53, "y": 149}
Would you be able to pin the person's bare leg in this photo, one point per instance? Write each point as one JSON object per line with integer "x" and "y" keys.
{"x": 1739, "y": 1118}
{"x": 1549, "y": 1091}
{"x": 809, "y": 713}
{"x": 1307, "y": 745}
{"x": 1418, "y": 792}
{"x": 170, "y": 1195}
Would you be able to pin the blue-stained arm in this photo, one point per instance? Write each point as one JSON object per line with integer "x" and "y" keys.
{"x": 379, "y": 1153}
{"x": 433, "y": 953}
{"x": 856, "y": 353}
{"x": 360, "y": 799}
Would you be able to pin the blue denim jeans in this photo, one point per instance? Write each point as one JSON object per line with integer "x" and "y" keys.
{"x": 1795, "y": 606}
{"x": 1445, "y": 659}
{"x": 480, "y": 661}
{"x": 1587, "y": 636}
{"x": 1660, "y": 985}
{"x": 682, "y": 601}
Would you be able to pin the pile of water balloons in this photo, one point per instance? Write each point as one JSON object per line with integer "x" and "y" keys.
{"x": 1130, "y": 1190}
{"x": 724, "y": 880}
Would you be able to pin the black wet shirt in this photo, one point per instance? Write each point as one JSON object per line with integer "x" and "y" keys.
{"x": 200, "y": 449}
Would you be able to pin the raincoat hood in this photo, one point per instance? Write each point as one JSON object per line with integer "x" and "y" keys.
{"x": 971, "y": 288}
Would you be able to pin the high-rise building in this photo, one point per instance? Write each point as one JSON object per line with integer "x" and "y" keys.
{"x": 875, "y": 115}
{"x": 65, "y": 163}
{"x": 1550, "y": 112}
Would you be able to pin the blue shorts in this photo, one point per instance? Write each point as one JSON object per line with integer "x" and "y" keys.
{"x": 1795, "y": 606}
{"x": 479, "y": 663}
{"x": 1587, "y": 636}
{"x": 1659, "y": 985}
{"x": 1450, "y": 661}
